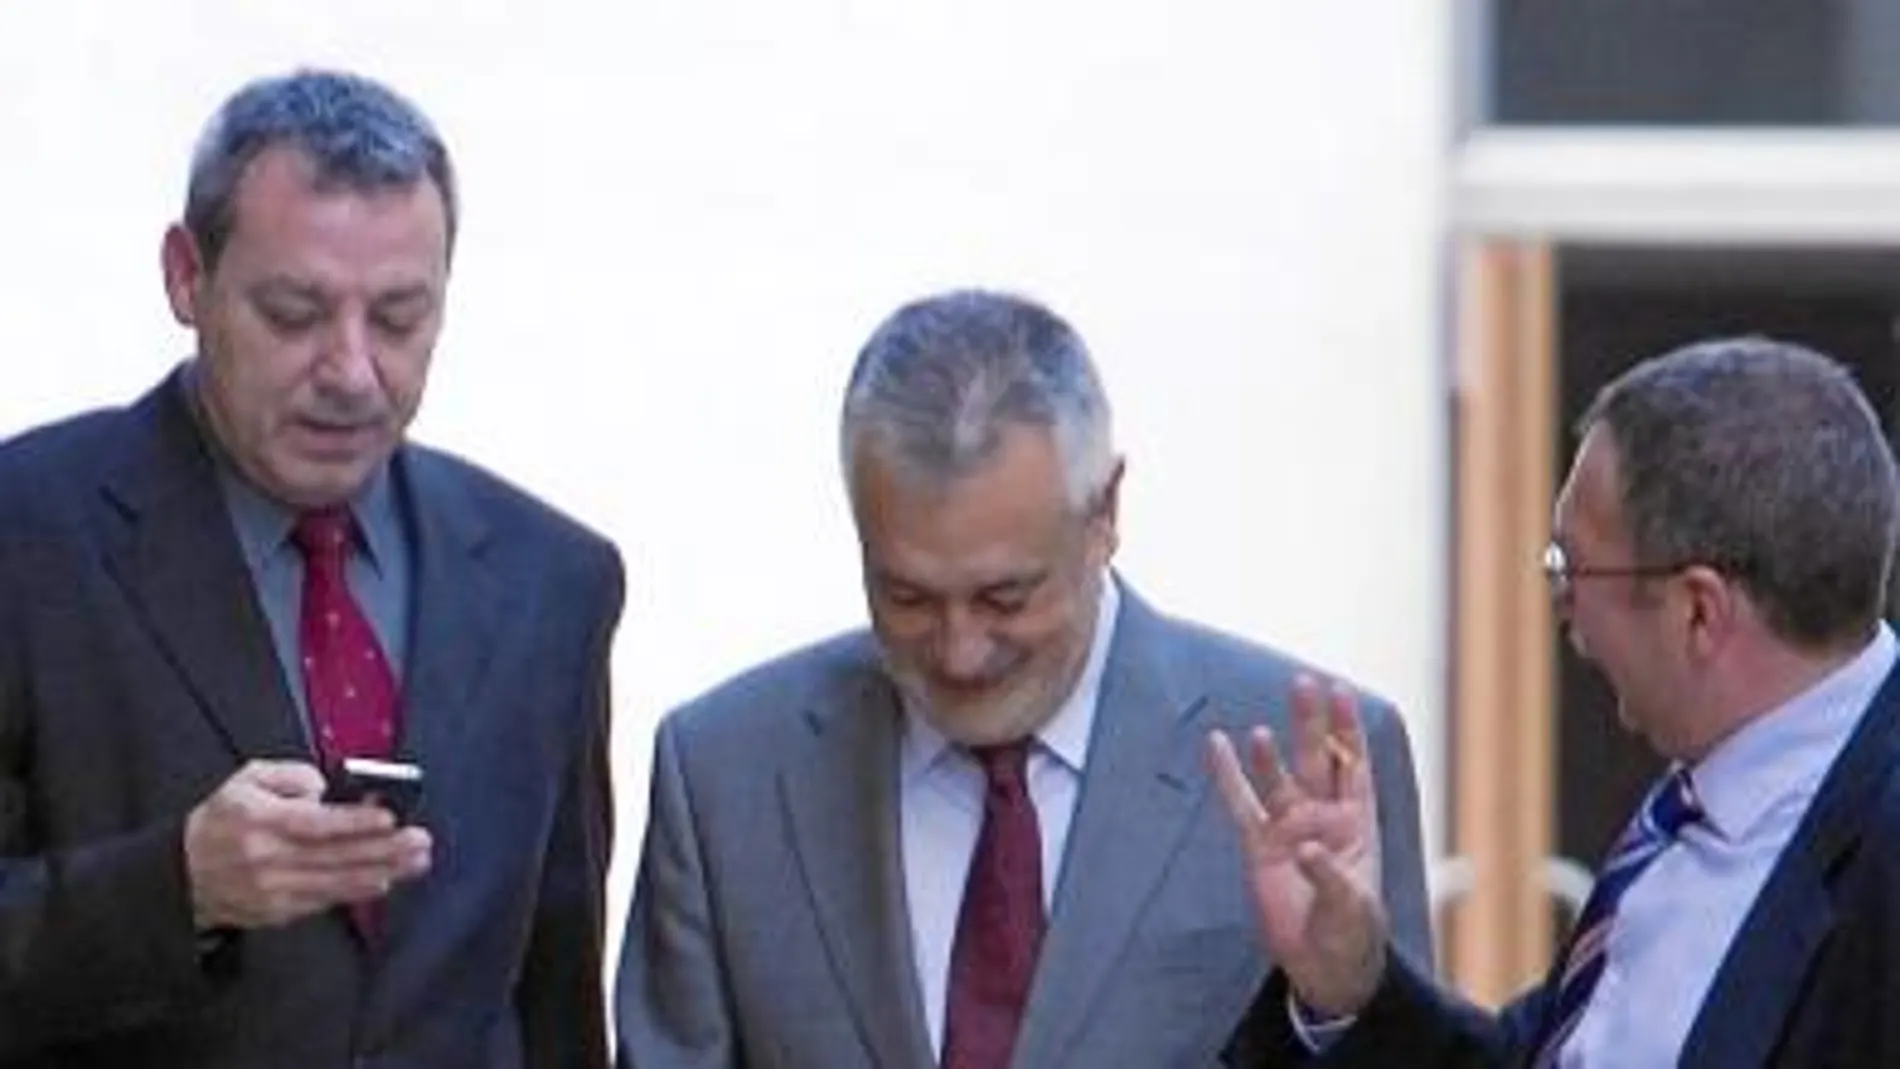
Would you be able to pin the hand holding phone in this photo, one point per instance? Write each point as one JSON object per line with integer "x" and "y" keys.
{"x": 394, "y": 785}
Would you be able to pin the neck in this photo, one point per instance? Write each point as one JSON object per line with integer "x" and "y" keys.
{"x": 1762, "y": 678}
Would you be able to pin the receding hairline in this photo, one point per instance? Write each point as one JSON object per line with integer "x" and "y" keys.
{"x": 942, "y": 379}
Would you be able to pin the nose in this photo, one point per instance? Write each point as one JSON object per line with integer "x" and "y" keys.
{"x": 1562, "y": 601}
{"x": 350, "y": 363}
{"x": 963, "y": 648}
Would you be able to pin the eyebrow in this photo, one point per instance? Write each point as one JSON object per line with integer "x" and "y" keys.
{"x": 1012, "y": 583}
{"x": 407, "y": 294}
{"x": 1026, "y": 581}
{"x": 281, "y": 286}
{"x": 285, "y": 286}
{"x": 884, "y": 577}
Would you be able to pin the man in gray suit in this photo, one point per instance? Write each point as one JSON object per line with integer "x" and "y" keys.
{"x": 979, "y": 835}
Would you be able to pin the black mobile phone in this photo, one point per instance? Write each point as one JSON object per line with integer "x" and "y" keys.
{"x": 394, "y": 785}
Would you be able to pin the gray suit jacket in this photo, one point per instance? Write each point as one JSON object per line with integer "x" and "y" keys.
{"x": 769, "y": 928}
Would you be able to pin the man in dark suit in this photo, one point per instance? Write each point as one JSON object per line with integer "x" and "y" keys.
{"x": 976, "y": 836}
{"x": 1720, "y": 552}
{"x": 210, "y": 599}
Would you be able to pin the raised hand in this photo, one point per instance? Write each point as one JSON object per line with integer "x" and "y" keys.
{"x": 1310, "y": 839}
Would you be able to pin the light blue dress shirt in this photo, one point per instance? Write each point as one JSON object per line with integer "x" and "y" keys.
{"x": 1674, "y": 925}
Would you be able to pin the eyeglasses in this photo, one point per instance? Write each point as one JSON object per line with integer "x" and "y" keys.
{"x": 1562, "y": 575}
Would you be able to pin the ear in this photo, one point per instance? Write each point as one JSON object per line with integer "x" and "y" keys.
{"x": 1108, "y": 510}
{"x": 1711, "y": 604}
{"x": 184, "y": 273}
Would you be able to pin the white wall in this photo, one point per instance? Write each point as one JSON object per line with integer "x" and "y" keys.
{"x": 683, "y": 217}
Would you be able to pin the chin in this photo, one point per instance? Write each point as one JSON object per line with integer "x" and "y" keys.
{"x": 312, "y": 493}
{"x": 334, "y": 478}
{"x": 998, "y": 718}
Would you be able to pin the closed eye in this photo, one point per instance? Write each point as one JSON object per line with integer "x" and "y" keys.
{"x": 290, "y": 321}
{"x": 401, "y": 315}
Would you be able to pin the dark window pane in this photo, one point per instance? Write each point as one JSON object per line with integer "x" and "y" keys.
{"x": 1695, "y": 62}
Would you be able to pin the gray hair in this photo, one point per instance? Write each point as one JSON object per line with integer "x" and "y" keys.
{"x": 942, "y": 378}
{"x": 1761, "y": 459}
{"x": 359, "y": 134}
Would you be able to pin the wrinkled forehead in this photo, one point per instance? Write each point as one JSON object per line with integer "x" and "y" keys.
{"x": 980, "y": 527}
{"x": 284, "y": 221}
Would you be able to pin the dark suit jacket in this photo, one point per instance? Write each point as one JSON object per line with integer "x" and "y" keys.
{"x": 1812, "y": 980}
{"x": 769, "y": 928}
{"x": 136, "y": 674}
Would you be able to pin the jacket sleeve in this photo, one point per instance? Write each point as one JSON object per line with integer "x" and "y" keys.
{"x": 1401, "y": 842}
{"x": 670, "y": 1006}
{"x": 1410, "y": 1021}
{"x": 96, "y": 936}
{"x": 559, "y": 997}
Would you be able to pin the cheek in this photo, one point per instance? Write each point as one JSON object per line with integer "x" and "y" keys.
{"x": 1614, "y": 646}
{"x": 1049, "y": 642}
{"x": 405, "y": 373}
{"x": 903, "y": 650}
{"x": 247, "y": 393}
{"x": 403, "y": 367}
{"x": 1593, "y": 626}
{"x": 256, "y": 368}
{"x": 902, "y": 628}
{"x": 907, "y": 640}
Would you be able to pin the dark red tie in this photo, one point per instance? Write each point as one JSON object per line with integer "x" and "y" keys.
{"x": 999, "y": 929}
{"x": 348, "y": 685}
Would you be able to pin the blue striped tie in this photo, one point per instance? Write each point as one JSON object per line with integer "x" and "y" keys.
{"x": 1670, "y": 807}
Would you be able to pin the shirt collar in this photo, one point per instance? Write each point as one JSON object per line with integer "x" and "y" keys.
{"x": 264, "y": 524}
{"x": 1784, "y": 754}
{"x": 1065, "y": 736}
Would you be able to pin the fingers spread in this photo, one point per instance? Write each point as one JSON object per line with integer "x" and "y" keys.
{"x": 1346, "y": 739}
{"x": 1277, "y": 789}
{"x": 1235, "y": 789}
{"x": 1312, "y": 758}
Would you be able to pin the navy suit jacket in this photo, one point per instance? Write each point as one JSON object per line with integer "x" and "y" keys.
{"x": 1812, "y": 980}
{"x": 137, "y": 674}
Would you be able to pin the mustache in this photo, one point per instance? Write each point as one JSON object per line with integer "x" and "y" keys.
{"x": 909, "y": 672}
{"x": 339, "y": 410}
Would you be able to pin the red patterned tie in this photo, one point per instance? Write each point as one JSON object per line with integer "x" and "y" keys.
{"x": 348, "y": 685}
{"x": 999, "y": 929}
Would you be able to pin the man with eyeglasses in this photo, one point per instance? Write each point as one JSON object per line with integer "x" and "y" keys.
{"x": 1721, "y": 552}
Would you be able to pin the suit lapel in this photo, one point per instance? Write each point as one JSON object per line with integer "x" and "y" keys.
{"x": 176, "y": 557}
{"x": 455, "y": 607}
{"x": 1139, "y": 793}
{"x": 1748, "y": 1004}
{"x": 455, "y": 603}
{"x": 839, "y": 787}
{"x": 1755, "y": 990}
